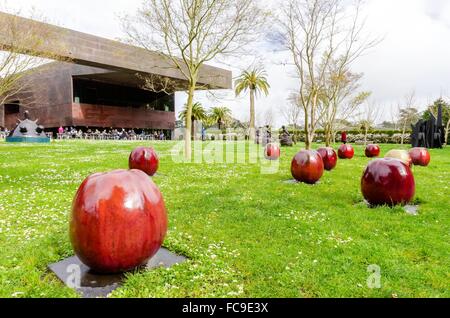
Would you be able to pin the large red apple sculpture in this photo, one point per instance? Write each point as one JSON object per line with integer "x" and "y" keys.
{"x": 329, "y": 158}
{"x": 145, "y": 159}
{"x": 272, "y": 152}
{"x": 307, "y": 166}
{"x": 420, "y": 156}
{"x": 372, "y": 151}
{"x": 118, "y": 221}
{"x": 402, "y": 155}
{"x": 346, "y": 152}
{"x": 388, "y": 182}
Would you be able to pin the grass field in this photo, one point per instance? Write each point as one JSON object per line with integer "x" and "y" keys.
{"x": 246, "y": 234}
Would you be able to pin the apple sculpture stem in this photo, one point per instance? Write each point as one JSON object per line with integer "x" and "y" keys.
{"x": 145, "y": 159}
{"x": 118, "y": 221}
{"x": 329, "y": 158}
{"x": 372, "y": 151}
{"x": 346, "y": 152}
{"x": 420, "y": 156}
{"x": 388, "y": 182}
{"x": 272, "y": 151}
{"x": 307, "y": 166}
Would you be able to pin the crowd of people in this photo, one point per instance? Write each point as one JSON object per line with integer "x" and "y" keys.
{"x": 108, "y": 134}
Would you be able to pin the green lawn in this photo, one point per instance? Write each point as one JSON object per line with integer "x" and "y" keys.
{"x": 246, "y": 234}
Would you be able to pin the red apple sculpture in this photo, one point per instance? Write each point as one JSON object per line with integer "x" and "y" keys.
{"x": 307, "y": 166}
{"x": 272, "y": 152}
{"x": 329, "y": 158}
{"x": 372, "y": 151}
{"x": 346, "y": 152}
{"x": 145, "y": 159}
{"x": 420, "y": 156}
{"x": 401, "y": 155}
{"x": 118, "y": 221}
{"x": 388, "y": 182}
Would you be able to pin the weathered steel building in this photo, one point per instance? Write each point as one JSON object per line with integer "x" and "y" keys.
{"x": 100, "y": 84}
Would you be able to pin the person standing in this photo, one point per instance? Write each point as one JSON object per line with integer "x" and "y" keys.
{"x": 344, "y": 137}
{"x": 60, "y": 132}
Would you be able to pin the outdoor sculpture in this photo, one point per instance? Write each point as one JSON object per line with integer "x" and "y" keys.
{"x": 118, "y": 221}
{"x": 346, "y": 152}
{"x": 286, "y": 138}
{"x": 402, "y": 155}
{"x": 372, "y": 151}
{"x": 307, "y": 166}
{"x": 329, "y": 158}
{"x": 145, "y": 159}
{"x": 272, "y": 152}
{"x": 28, "y": 130}
{"x": 430, "y": 133}
{"x": 388, "y": 182}
{"x": 420, "y": 156}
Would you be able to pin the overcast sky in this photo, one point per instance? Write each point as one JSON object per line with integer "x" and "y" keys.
{"x": 415, "y": 53}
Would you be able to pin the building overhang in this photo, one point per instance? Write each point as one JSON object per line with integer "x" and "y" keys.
{"x": 89, "y": 50}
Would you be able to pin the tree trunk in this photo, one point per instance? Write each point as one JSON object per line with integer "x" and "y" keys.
{"x": 403, "y": 132}
{"x": 252, "y": 115}
{"x": 189, "y": 125}
{"x": 307, "y": 132}
{"x": 327, "y": 135}
{"x": 366, "y": 131}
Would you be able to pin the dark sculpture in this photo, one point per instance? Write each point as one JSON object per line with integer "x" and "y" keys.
{"x": 429, "y": 133}
{"x": 28, "y": 130}
{"x": 286, "y": 138}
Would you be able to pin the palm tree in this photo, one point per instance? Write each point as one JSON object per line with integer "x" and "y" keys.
{"x": 256, "y": 82}
{"x": 220, "y": 115}
{"x": 198, "y": 113}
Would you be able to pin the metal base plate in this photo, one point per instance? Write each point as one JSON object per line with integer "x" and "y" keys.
{"x": 93, "y": 285}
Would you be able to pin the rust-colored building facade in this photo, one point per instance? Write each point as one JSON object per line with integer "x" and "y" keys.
{"x": 99, "y": 84}
{"x": 66, "y": 94}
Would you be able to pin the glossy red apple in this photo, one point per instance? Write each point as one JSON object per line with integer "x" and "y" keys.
{"x": 329, "y": 158}
{"x": 420, "y": 156}
{"x": 402, "y": 155}
{"x": 118, "y": 220}
{"x": 307, "y": 166}
{"x": 372, "y": 151}
{"x": 145, "y": 159}
{"x": 346, "y": 152}
{"x": 388, "y": 181}
{"x": 272, "y": 152}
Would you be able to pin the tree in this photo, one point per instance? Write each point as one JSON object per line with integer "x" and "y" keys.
{"x": 367, "y": 117}
{"x": 408, "y": 114}
{"x": 292, "y": 111}
{"x": 190, "y": 33}
{"x": 256, "y": 82}
{"x": 16, "y": 63}
{"x": 433, "y": 109}
{"x": 220, "y": 115}
{"x": 318, "y": 34}
{"x": 197, "y": 113}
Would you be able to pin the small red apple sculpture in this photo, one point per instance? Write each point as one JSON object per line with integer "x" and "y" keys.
{"x": 145, "y": 159}
{"x": 307, "y": 166}
{"x": 372, "y": 151}
{"x": 420, "y": 156}
{"x": 346, "y": 152}
{"x": 329, "y": 158}
{"x": 118, "y": 221}
{"x": 272, "y": 152}
{"x": 402, "y": 155}
{"x": 388, "y": 181}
